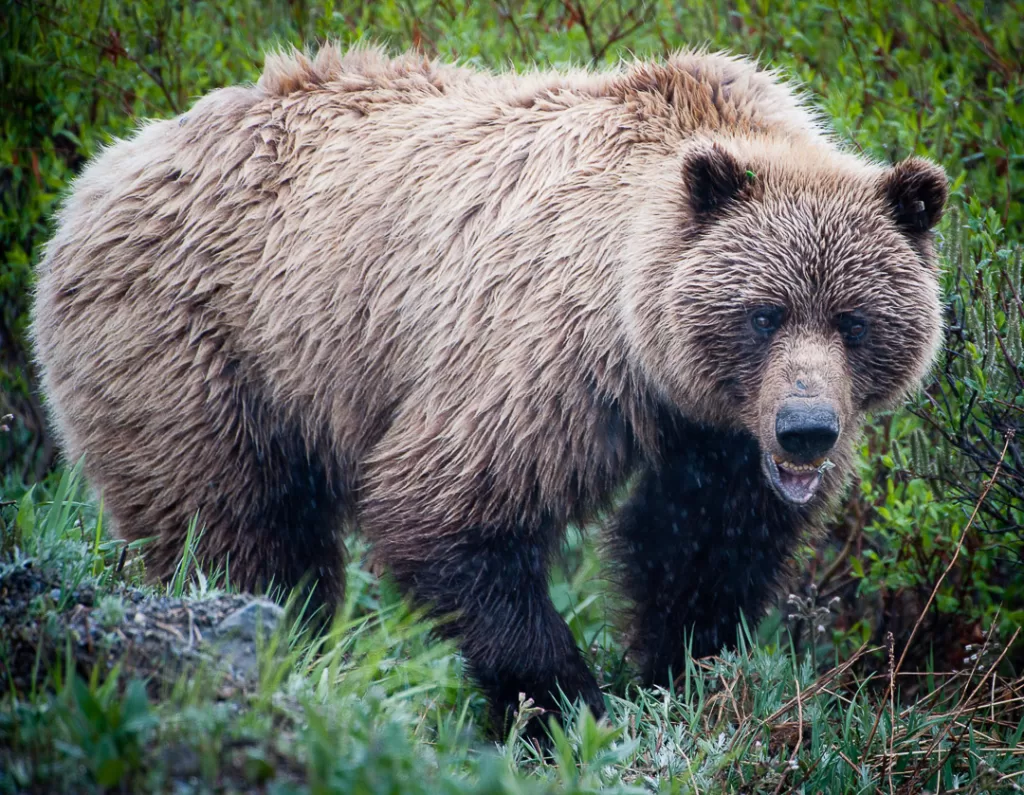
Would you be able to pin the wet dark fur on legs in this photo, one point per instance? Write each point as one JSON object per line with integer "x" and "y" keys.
{"x": 493, "y": 588}
{"x": 701, "y": 539}
{"x": 294, "y": 500}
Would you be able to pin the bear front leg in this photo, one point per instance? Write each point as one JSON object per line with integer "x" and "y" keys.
{"x": 701, "y": 539}
{"x": 492, "y": 589}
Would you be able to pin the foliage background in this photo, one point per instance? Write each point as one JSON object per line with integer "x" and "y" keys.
{"x": 940, "y": 78}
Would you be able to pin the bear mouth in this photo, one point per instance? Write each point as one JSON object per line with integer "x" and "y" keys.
{"x": 794, "y": 483}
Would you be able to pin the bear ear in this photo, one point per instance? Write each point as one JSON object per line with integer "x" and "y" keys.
{"x": 915, "y": 190}
{"x": 713, "y": 178}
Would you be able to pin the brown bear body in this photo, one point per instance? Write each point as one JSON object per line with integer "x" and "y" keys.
{"x": 460, "y": 310}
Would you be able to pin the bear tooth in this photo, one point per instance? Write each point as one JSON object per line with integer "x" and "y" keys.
{"x": 791, "y": 467}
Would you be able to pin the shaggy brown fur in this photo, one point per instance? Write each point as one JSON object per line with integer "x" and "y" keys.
{"x": 458, "y": 310}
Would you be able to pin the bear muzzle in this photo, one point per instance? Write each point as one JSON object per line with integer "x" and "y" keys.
{"x": 806, "y": 430}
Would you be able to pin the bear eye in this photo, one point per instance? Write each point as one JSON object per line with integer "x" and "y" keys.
{"x": 852, "y": 326}
{"x": 767, "y": 319}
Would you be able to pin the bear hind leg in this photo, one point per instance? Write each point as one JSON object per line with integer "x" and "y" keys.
{"x": 269, "y": 504}
{"x": 289, "y": 512}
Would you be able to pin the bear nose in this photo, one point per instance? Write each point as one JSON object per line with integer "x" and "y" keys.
{"x": 806, "y": 429}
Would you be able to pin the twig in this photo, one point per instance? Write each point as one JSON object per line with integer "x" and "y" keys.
{"x": 836, "y": 564}
{"x": 983, "y": 40}
{"x": 890, "y": 641}
{"x": 819, "y": 685}
{"x": 792, "y": 764}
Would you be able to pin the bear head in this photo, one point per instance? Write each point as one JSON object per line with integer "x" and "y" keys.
{"x": 785, "y": 288}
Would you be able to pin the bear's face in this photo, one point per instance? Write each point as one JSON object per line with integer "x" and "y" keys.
{"x": 804, "y": 297}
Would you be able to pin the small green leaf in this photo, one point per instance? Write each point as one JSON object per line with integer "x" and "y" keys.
{"x": 110, "y": 772}
{"x": 26, "y": 518}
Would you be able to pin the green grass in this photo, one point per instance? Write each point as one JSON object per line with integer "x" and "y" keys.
{"x": 376, "y": 705}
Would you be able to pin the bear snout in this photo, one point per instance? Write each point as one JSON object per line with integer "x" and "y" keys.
{"x": 806, "y": 429}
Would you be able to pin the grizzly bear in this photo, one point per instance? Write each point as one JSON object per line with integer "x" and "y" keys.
{"x": 458, "y": 311}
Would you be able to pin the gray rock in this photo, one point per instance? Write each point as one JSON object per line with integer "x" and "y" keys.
{"x": 259, "y": 615}
{"x": 235, "y": 638}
